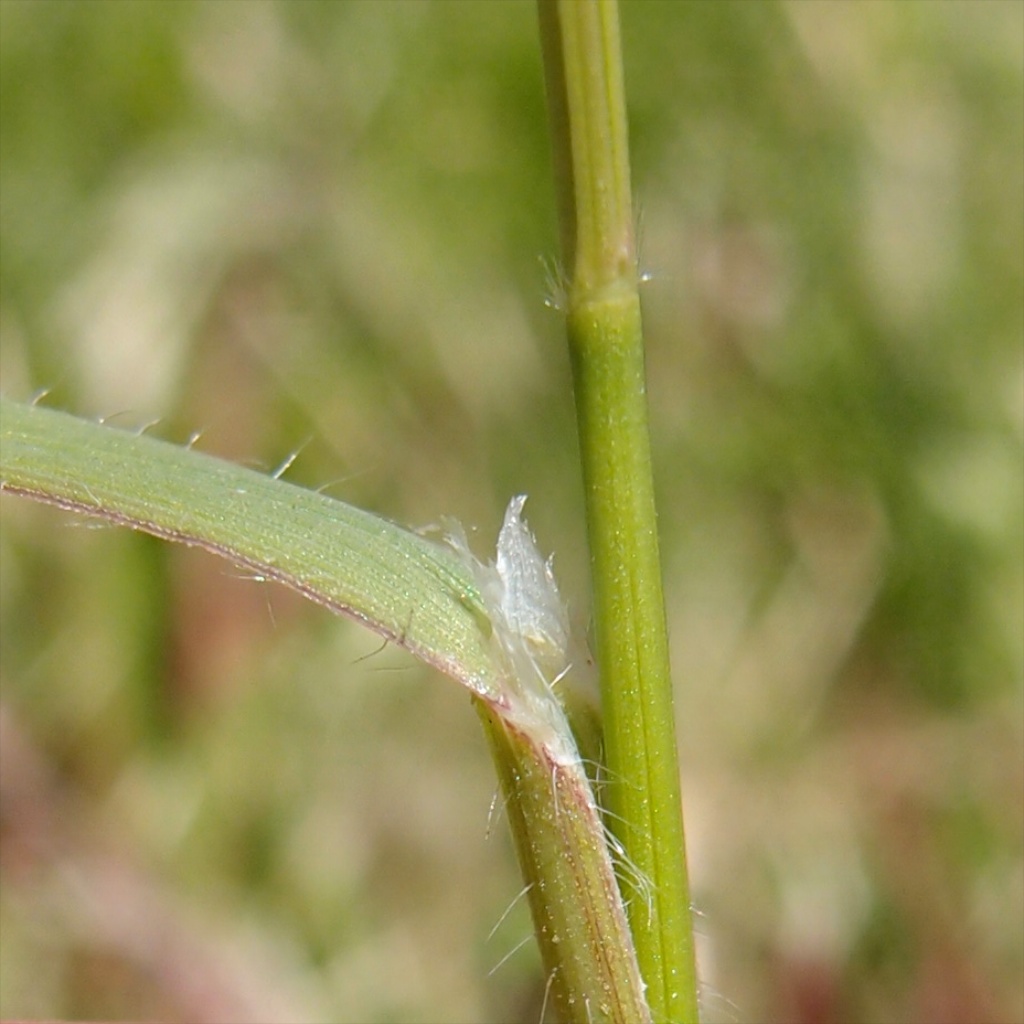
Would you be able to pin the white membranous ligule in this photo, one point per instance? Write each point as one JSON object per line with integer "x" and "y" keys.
{"x": 530, "y": 630}
{"x": 529, "y": 602}
{"x": 530, "y": 627}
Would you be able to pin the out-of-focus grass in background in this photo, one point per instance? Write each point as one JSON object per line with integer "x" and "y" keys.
{"x": 298, "y": 222}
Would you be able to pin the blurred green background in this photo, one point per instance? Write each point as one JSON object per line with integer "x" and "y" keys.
{"x": 330, "y": 226}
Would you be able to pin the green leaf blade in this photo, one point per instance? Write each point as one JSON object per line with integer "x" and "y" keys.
{"x": 403, "y": 586}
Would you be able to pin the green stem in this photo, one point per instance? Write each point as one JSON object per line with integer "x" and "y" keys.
{"x": 590, "y": 968}
{"x": 587, "y": 103}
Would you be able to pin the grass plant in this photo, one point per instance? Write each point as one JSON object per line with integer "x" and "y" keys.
{"x": 418, "y": 596}
{"x": 274, "y": 222}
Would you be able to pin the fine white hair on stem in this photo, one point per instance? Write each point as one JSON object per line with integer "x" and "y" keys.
{"x": 508, "y": 910}
{"x": 88, "y": 490}
{"x": 511, "y": 953}
{"x": 556, "y": 286}
{"x": 627, "y": 871}
{"x": 90, "y": 523}
{"x": 139, "y": 431}
{"x": 715, "y": 1005}
{"x": 550, "y": 684}
{"x": 547, "y": 994}
{"x": 287, "y": 464}
{"x": 495, "y": 811}
{"x": 104, "y": 421}
{"x": 554, "y": 791}
{"x": 270, "y": 611}
{"x": 242, "y": 572}
{"x": 337, "y": 481}
{"x": 373, "y": 653}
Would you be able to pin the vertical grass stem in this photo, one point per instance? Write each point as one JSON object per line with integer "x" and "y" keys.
{"x": 583, "y": 70}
